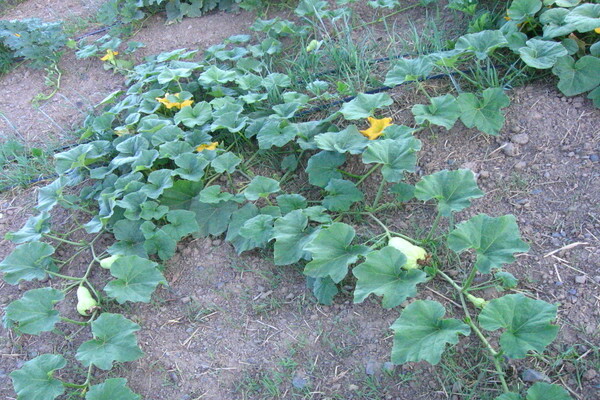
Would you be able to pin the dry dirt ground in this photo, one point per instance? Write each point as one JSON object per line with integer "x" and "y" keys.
{"x": 237, "y": 327}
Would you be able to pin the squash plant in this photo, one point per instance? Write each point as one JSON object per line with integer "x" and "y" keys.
{"x": 148, "y": 176}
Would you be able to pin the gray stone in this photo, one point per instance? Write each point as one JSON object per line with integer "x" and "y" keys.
{"x": 520, "y": 165}
{"x": 520, "y": 138}
{"x": 299, "y": 382}
{"x": 509, "y": 149}
{"x": 594, "y": 158}
{"x": 531, "y": 375}
{"x": 580, "y": 279}
{"x": 388, "y": 367}
{"x": 372, "y": 368}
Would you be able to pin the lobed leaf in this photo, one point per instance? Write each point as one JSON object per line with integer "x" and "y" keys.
{"x": 452, "y": 190}
{"x": 34, "y": 312}
{"x": 35, "y": 380}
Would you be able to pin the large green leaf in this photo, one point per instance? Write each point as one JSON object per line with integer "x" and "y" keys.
{"x": 509, "y": 396}
{"x": 396, "y": 156}
{"x": 213, "y": 195}
{"x": 443, "y": 111}
{"x": 332, "y": 252}
{"x": 181, "y": 223}
{"x": 261, "y": 186}
{"x": 364, "y": 105}
{"x": 483, "y": 112}
{"x": 181, "y": 195}
{"x": 137, "y": 278}
{"x": 200, "y": 114}
{"x": 33, "y": 229}
{"x": 421, "y": 333}
{"x": 481, "y": 43}
{"x": 226, "y": 162}
{"x": 383, "y": 275}
{"x": 291, "y": 202}
{"x": 272, "y": 134}
{"x": 191, "y": 166}
{"x": 324, "y": 289}
{"x": 238, "y": 219}
{"x": 158, "y": 182}
{"x": 322, "y": 167}
{"x": 27, "y": 262}
{"x": 34, "y": 381}
{"x": 554, "y": 23}
{"x": 291, "y": 234}
{"x": 112, "y": 389}
{"x": 594, "y": 95}
{"x": 406, "y": 69}
{"x": 130, "y": 239}
{"x": 114, "y": 340}
{"x": 547, "y": 391}
{"x": 349, "y": 140}
{"x": 577, "y": 77}
{"x": 213, "y": 219}
{"x": 341, "y": 194}
{"x": 585, "y": 17}
{"x": 452, "y": 190}
{"x": 520, "y": 10}
{"x": 542, "y": 54}
{"x": 526, "y": 323}
{"x": 34, "y": 312}
{"x": 259, "y": 229}
{"x": 495, "y": 240}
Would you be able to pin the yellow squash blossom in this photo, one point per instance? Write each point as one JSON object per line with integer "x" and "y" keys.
{"x": 17, "y": 35}
{"x": 376, "y": 128}
{"x": 597, "y": 30}
{"x": 110, "y": 55}
{"x": 212, "y": 146}
{"x": 174, "y": 104}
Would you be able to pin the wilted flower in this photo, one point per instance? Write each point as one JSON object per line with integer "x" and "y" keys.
{"x": 211, "y": 146}
{"x": 377, "y": 127}
{"x": 110, "y": 55}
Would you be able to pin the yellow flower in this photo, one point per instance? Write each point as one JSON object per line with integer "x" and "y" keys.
{"x": 376, "y": 128}
{"x": 17, "y": 35}
{"x": 597, "y": 30}
{"x": 212, "y": 146}
{"x": 174, "y": 104}
{"x": 110, "y": 55}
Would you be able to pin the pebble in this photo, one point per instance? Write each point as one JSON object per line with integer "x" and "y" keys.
{"x": 484, "y": 174}
{"x": 185, "y": 299}
{"x": 590, "y": 374}
{"x": 509, "y": 149}
{"x": 352, "y": 388}
{"x": 520, "y": 138}
{"x": 520, "y": 165}
{"x": 594, "y": 158}
{"x": 372, "y": 368}
{"x": 531, "y": 375}
{"x": 389, "y": 367}
{"x": 299, "y": 382}
{"x": 580, "y": 279}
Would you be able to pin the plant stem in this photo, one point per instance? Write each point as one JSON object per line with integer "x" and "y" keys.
{"x": 434, "y": 226}
{"x": 387, "y": 231}
{"x": 378, "y": 195}
{"x": 67, "y": 277}
{"x": 63, "y": 240}
{"x": 65, "y": 319}
{"x": 467, "y": 284}
{"x": 369, "y": 172}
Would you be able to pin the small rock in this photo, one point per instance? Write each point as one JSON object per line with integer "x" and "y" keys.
{"x": 352, "y": 388}
{"x": 509, "y": 149}
{"x": 185, "y": 299}
{"x": 590, "y": 374}
{"x": 299, "y": 382}
{"x": 484, "y": 174}
{"x": 372, "y": 368}
{"x": 580, "y": 279}
{"x": 520, "y": 165}
{"x": 217, "y": 242}
{"x": 520, "y": 138}
{"x": 531, "y": 375}
{"x": 594, "y": 158}
{"x": 388, "y": 367}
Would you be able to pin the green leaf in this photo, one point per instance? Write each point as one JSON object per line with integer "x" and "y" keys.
{"x": 259, "y": 229}
{"x": 443, "y": 111}
{"x": 191, "y": 166}
{"x": 364, "y": 105}
{"x": 35, "y": 312}
{"x": 213, "y": 219}
{"x": 349, "y": 140}
{"x": 332, "y": 252}
{"x": 526, "y": 323}
{"x": 130, "y": 239}
{"x": 34, "y": 381}
{"x": 452, "y": 190}
{"x": 421, "y": 333}
{"x": 261, "y": 186}
{"x": 481, "y": 43}
{"x": 291, "y": 202}
{"x": 577, "y": 77}
{"x": 396, "y": 156}
{"x": 322, "y": 167}
{"x": 403, "y": 191}
{"x": 494, "y": 240}
{"x": 32, "y": 230}
{"x": 198, "y": 115}
{"x": 226, "y": 162}
{"x": 132, "y": 204}
{"x": 272, "y": 134}
{"x": 542, "y": 54}
{"x": 547, "y": 391}
{"x": 213, "y": 195}
{"x": 27, "y": 262}
{"x": 158, "y": 182}
{"x": 594, "y": 95}
{"x": 509, "y": 396}
{"x": 585, "y": 17}
{"x": 507, "y": 280}
{"x": 383, "y": 275}
{"x": 485, "y": 112}
{"x": 216, "y": 76}
{"x": 111, "y": 389}
{"x": 406, "y": 69}
{"x": 137, "y": 278}
{"x": 554, "y": 23}
{"x": 324, "y": 289}
{"x": 152, "y": 210}
{"x": 291, "y": 234}
{"x": 114, "y": 340}
{"x": 341, "y": 195}
{"x": 520, "y": 10}
{"x": 180, "y": 196}
{"x": 49, "y": 195}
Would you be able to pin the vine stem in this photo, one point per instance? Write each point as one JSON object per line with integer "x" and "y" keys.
{"x": 65, "y": 319}
{"x": 369, "y": 172}
{"x": 379, "y": 193}
{"x": 387, "y": 231}
{"x": 49, "y": 236}
{"x": 469, "y": 320}
{"x": 67, "y": 277}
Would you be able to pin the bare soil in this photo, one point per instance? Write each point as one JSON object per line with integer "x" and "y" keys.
{"x": 238, "y": 327}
